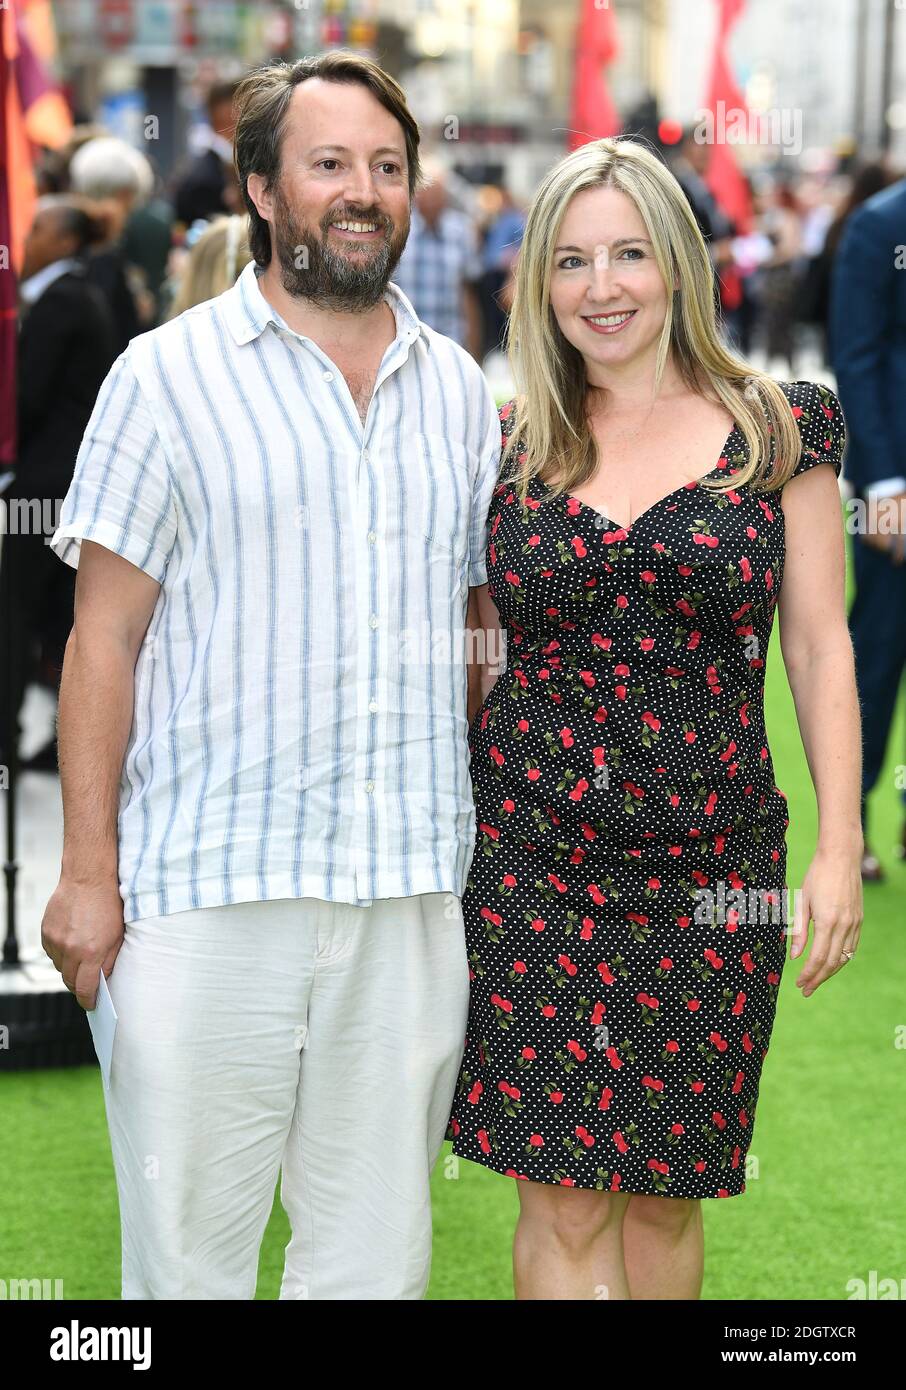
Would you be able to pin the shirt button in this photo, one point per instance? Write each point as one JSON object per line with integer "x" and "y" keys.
{"x": 372, "y": 621}
{"x": 369, "y": 786}
{"x": 372, "y": 537}
{"x": 373, "y": 706}
{"x": 328, "y": 376}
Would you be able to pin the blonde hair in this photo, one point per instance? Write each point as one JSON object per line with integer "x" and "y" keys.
{"x": 214, "y": 263}
{"x": 550, "y": 429}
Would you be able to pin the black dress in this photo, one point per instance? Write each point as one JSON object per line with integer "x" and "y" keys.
{"x": 626, "y": 899}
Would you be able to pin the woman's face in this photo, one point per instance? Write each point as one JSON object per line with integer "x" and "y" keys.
{"x": 607, "y": 293}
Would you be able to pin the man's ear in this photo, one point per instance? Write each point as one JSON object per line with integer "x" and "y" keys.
{"x": 262, "y": 199}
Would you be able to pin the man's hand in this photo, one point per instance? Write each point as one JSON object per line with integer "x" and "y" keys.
{"x": 82, "y": 932}
{"x": 886, "y": 526}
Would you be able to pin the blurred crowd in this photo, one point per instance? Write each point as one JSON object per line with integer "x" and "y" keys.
{"x": 154, "y": 250}
{"x": 113, "y": 251}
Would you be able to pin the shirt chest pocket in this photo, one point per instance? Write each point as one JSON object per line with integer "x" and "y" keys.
{"x": 437, "y": 481}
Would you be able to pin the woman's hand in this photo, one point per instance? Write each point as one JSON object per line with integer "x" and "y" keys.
{"x": 830, "y": 897}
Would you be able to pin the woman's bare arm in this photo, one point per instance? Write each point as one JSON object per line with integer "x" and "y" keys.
{"x": 485, "y": 650}
{"x": 818, "y": 655}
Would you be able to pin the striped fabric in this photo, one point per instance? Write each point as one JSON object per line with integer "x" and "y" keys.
{"x": 300, "y": 719}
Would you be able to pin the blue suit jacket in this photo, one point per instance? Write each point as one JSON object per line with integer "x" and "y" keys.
{"x": 867, "y": 336}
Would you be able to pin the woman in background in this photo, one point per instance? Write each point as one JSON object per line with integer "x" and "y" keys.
{"x": 215, "y": 257}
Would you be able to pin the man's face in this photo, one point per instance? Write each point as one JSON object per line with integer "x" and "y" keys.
{"x": 339, "y": 212}
{"x": 432, "y": 199}
{"x": 222, "y": 119}
{"x": 699, "y": 156}
{"x": 45, "y": 242}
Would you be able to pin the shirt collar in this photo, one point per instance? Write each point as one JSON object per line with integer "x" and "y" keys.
{"x": 248, "y": 313}
{"x": 31, "y": 289}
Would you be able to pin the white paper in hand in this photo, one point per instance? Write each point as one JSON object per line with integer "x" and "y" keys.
{"x": 102, "y": 1022}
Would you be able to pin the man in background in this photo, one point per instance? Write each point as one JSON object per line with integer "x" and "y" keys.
{"x": 208, "y": 186}
{"x": 689, "y": 166}
{"x": 440, "y": 269}
{"x": 867, "y": 342}
{"x": 499, "y": 255}
{"x": 66, "y": 346}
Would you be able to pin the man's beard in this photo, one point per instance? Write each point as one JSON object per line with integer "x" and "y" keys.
{"x": 312, "y": 270}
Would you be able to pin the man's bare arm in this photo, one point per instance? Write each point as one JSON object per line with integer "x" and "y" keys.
{"x": 83, "y": 924}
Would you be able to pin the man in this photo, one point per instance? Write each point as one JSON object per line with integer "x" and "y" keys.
{"x": 867, "y": 342}
{"x": 66, "y": 346}
{"x": 205, "y": 189}
{"x": 281, "y": 503}
{"x": 440, "y": 269}
{"x": 499, "y": 255}
{"x": 690, "y": 167}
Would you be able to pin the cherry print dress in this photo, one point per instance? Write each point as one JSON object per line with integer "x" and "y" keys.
{"x": 625, "y": 904}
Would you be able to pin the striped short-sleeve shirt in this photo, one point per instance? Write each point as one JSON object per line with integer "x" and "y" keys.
{"x": 299, "y": 724}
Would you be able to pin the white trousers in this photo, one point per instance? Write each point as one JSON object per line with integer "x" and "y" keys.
{"x": 318, "y": 1038}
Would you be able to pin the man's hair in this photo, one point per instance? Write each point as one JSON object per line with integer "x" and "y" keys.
{"x": 220, "y": 94}
{"x": 262, "y": 100}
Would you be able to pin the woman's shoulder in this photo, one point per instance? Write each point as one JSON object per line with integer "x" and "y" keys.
{"x": 819, "y": 418}
{"x": 805, "y": 396}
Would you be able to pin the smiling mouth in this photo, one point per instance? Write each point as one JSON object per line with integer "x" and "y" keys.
{"x": 609, "y": 323}
{"x": 347, "y": 227}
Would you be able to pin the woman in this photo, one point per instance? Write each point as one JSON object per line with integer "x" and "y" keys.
{"x": 217, "y": 255}
{"x": 624, "y": 908}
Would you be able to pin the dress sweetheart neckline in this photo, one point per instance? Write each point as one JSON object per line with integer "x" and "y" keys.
{"x": 683, "y": 487}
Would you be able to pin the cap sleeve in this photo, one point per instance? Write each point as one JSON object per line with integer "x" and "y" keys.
{"x": 822, "y": 428}
{"x": 120, "y": 495}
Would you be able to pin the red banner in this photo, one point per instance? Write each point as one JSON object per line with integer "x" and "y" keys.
{"x": 727, "y": 106}
{"x": 32, "y": 112}
{"x": 594, "y": 114}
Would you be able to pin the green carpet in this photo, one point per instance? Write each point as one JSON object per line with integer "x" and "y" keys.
{"x": 827, "y": 1204}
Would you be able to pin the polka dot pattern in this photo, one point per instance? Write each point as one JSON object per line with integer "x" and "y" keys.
{"x": 625, "y": 905}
